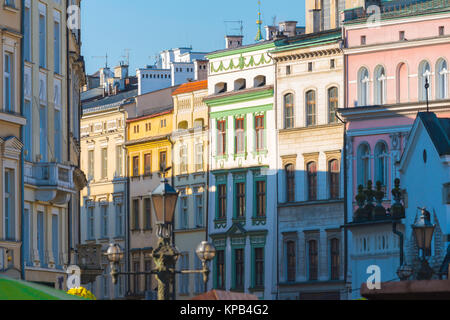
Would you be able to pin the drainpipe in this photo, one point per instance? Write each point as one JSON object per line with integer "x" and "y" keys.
{"x": 173, "y": 226}
{"x": 22, "y": 200}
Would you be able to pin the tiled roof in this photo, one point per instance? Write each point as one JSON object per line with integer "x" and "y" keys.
{"x": 108, "y": 102}
{"x": 439, "y": 131}
{"x": 191, "y": 87}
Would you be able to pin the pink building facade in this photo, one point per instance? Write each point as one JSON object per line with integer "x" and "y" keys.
{"x": 387, "y": 67}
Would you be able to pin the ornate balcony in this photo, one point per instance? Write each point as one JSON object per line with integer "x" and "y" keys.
{"x": 89, "y": 258}
{"x": 55, "y": 181}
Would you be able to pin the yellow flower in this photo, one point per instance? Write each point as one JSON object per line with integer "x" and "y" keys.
{"x": 82, "y": 292}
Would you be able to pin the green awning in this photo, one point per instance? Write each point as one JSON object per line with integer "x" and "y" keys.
{"x": 11, "y": 289}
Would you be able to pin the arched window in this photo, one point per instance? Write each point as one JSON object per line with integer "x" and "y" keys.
{"x": 333, "y": 178}
{"x": 259, "y": 81}
{"x": 311, "y": 169}
{"x": 288, "y": 111}
{"x": 310, "y": 108}
{"x": 291, "y": 260}
{"x": 363, "y": 87}
{"x": 424, "y": 75}
{"x": 290, "y": 183}
{"x": 380, "y": 85}
{"x": 441, "y": 79}
{"x": 198, "y": 123}
{"x": 333, "y": 104}
{"x": 313, "y": 266}
{"x": 381, "y": 163}
{"x": 239, "y": 84}
{"x": 402, "y": 83}
{"x": 220, "y": 87}
{"x": 183, "y": 125}
{"x": 363, "y": 165}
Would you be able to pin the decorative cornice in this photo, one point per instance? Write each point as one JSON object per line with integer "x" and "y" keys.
{"x": 291, "y": 56}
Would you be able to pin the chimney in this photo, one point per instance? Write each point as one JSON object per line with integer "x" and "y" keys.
{"x": 233, "y": 41}
{"x": 288, "y": 28}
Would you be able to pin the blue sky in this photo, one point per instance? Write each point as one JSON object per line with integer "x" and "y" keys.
{"x": 147, "y": 27}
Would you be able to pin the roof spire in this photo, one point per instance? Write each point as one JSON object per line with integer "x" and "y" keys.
{"x": 259, "y": 36}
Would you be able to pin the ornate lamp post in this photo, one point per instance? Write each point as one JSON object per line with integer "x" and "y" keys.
{"x": 423, "y": 231}
{"x": 165, "y": 256}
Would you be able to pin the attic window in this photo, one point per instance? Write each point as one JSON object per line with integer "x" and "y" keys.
{"x": 441, "y": 30}
{"x": 401, "y": 35}
{"x": 363, "y": 40}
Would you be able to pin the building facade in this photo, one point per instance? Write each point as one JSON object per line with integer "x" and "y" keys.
{"x": 53, "y": 75}
{"x": 387, "y": 70}
{"x": 11, "y": 123}
{"x": 242, "y": 194}
{"x": 191, "y": 149}
{"x": 310, "y": 141}
{"x": 149, "y": 147}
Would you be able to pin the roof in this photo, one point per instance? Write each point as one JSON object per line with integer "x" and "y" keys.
{"x": 225, "y": 295}
{"x": 439, "y": 131}
{"x": 109, "y": 101}
{"x": 152, "y": 113}
{"x": 191, "y": 87}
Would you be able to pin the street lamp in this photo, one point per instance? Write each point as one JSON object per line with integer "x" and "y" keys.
{"x": 423, "y": 231}
{"x": 165, "y": 256}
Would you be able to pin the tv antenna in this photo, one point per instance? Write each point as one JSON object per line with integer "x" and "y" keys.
{"x": 238, "y": 26}
{"x": 127, "y": 56}
{"x": 102, "y": 57}
{"x": 274, "y": 21}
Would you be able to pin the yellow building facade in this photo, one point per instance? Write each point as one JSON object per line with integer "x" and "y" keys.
{"x": 10, "y": 144}
{"x": 190, "y": 139}
{"x": 148, "y": 128}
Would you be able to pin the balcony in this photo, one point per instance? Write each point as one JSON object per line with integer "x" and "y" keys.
{"x": 55, "y": 181}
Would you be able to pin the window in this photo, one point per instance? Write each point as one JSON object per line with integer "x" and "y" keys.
{"x": 27, "y": 237}
{"x": 27, "y": 34}
{"x": 312, "y": 180}
{"x": 259, "y": 128}
{"x": 183, "y": 159}
{"x": 136, "y": 268}
{"x": 220, "y": 269}
{"x": 199, "y": 210}
{"x": 291, "y": 261}
{"x": 9, "y": 196}
{"x": 90, "y": 164}
{"x": 28, "y": 138}
{"x": 335, "y": 259}
{"x": 104, "y": 163}
{"x": 259, "y": 81}
{"x": 91, "y": 223}
{"x": 260, "y": 199}
{"x": 441, "y": 30}
{"x": 163, "y": 123}
{"x": 104, "y": 214}
{"x": 42, "y": 37}
{"x": 57, "y": 42}
{"x": 240, "y": 200}
{"x": 221, "y": 87}
{"x": 312, "y": 260}
{"x": 363, "y": 87}
{"x": 401, "y": 35}
{"x": 119, "y": 220}
{"x": 8, "y": 82}
{"x": 240, "y": 136}
{"x": 222, "y": 201}
{"x": 380, "y": 85}
{"x": 310, "y": 66}
{"x": 136, "y": 214}
{"x": 10, "y": 3}
{"x": 184, "y": 278}
{"x": 199, "y": 157}
{"x": 148, "y": 277}
{"x": 147, "y": 214}
{"x": 381, "y": 164}
{"x": 119, "y": 156}
{"x": 198, "y": 278}
{"x": 43, "y": 133}
{"x": 424, "y": 77}
{"x": 332, "y": 63}
{"x": 58, "y": 135}
{"x": 163, "y": 159}
{"x": 239, "y": 84}
{"x": 333, "y": 104}
{"x": 290, "y": 183}
{"x": 183, "y": 211}
{"x": 311, "y": 108}
{"x": 239, "y": 268}
{"x": 288, "y": 70}
{"x": 221, "y": 137}
{"x": 41, "y": 237}
{"x": 333, "y": 178}
{"x": 441, "y": 79}
{"x": 363, "y": 159}
{"x": 147, "y": 164}
{"x": 259, "y": 267}
{"x": 136, "y": 166}
{"x": 363, "y": 40}
{"x": 289, "y": 111}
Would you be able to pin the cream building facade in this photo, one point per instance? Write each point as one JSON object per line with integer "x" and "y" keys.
{"x": 310, "y": 142}
{"x": 191, "y": 149}
{"x": 52, "y": 77}
{"x": 10, "y": 143}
